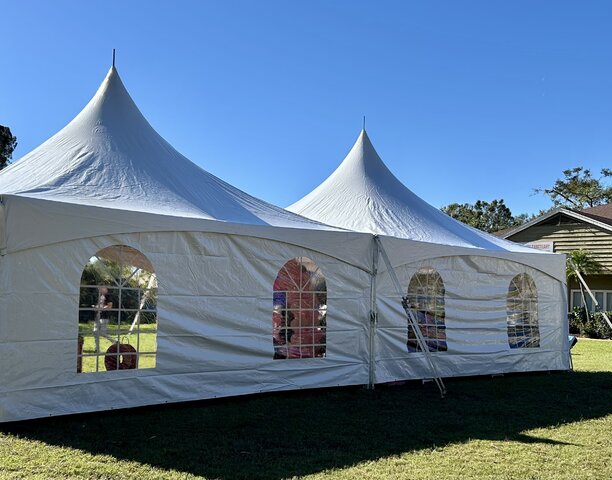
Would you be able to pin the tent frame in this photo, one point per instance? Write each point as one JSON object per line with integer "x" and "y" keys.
{"x": 412, "y": 320}
{"x": 373, "y": 317}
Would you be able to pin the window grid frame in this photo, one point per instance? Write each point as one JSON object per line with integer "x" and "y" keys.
{"x": 118, "y": 285}
{"x": 426, "y": 294}
{"x": 284, "y": 314}
{"x": 521, "y": 304}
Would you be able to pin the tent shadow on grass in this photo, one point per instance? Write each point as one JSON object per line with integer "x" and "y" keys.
{"x": 297, "y": 433}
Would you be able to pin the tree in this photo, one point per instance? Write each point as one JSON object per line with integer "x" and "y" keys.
{"x": 8, "y": 142}
{"x": 489, "y": 217}
{"x": 583, "y": 261}
{"x": 579, "y": 189}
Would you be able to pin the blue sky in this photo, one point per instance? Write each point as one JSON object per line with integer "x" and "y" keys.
{"x": 464, "y": 100}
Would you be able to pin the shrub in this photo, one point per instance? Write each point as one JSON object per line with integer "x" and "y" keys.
{"x": 594, "y": 325}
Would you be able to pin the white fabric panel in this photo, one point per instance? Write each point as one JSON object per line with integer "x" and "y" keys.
{"x": 364, "y": 196}
{"x": 391, "y": 370}
{"x": 476, "y": 290}
{"x": 214, "y": 325}
{"x": 137, "y": 390}
{"x": 214, "y": 332}
{"x": 33, "y": 223}
{"x": 402, "y": 252}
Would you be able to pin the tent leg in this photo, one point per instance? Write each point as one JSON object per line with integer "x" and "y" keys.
{"x": 373, "y": 318}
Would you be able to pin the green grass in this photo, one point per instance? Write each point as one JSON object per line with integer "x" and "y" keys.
{"x": 549, "y": 426}
{"x": 143, "y": 338}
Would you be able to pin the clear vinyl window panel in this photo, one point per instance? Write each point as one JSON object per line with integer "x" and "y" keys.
{"x": 426, "y": 299}
{"x": 117, "y": 312}
{"x": 522, "y": 313}
{"x": 299, "y": 311}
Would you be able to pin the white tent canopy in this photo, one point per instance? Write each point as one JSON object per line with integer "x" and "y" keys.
{"x": 110, "y": 156}
{"x": 364, "y": 196}
{"x": 112, "y": 170}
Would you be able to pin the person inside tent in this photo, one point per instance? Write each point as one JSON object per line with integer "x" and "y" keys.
{"x": 103, "y": 308}
{"x": 296, "y": 314}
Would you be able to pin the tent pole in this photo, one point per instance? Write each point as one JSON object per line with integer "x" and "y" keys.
{"x": 2, "y": 227}
{"x": 412, "y": 321}
{"x": 584, "y": 302}
{"x": 142, "y": 304}
{"x": 373, "y": 317}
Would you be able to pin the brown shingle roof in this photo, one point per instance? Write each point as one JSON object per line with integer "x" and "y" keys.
{"x": 501, "y": 233}
{"x": 602, "y": 213}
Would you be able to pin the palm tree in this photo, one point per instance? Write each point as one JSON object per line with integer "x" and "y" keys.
{"x": 582, "y": 261}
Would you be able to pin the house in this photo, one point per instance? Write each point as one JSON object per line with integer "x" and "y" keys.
{"x": 562, "y": 230}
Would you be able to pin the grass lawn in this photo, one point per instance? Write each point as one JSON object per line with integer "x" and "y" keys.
{"x": 533, "y": 426}
{"x": 143, "y": 338}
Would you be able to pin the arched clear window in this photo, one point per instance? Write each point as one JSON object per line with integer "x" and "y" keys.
{"x": 299, "y": 310}
{"x": 426, "y": 299}
{"x": 117, "y": 312}
{"x": 522, "y": 313}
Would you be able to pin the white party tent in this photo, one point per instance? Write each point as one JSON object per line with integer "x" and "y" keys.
{"x": 484, "y": 305}
{"x": 130, "y": 276}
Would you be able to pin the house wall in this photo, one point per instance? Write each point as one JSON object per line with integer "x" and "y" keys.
{"x": 595, "y": 282}
{"x": 568, "y": 237}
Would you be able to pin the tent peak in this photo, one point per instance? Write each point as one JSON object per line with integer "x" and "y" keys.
{"x": 363, "y": 152}
{"x": 113, "y": 65}
{"x": 363, "y": 195}
{"x": 110, "y": 156}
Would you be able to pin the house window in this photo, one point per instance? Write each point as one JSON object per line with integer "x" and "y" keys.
{"x": 426, "y": 299}
{"x": 522, "y": 313}
{"x": 603, "y": 297}
{"x": 299, "y": 310}
{"x": 117, "y": 312}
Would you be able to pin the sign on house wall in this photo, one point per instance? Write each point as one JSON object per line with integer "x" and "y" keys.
{"x": 544, "y": 246}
